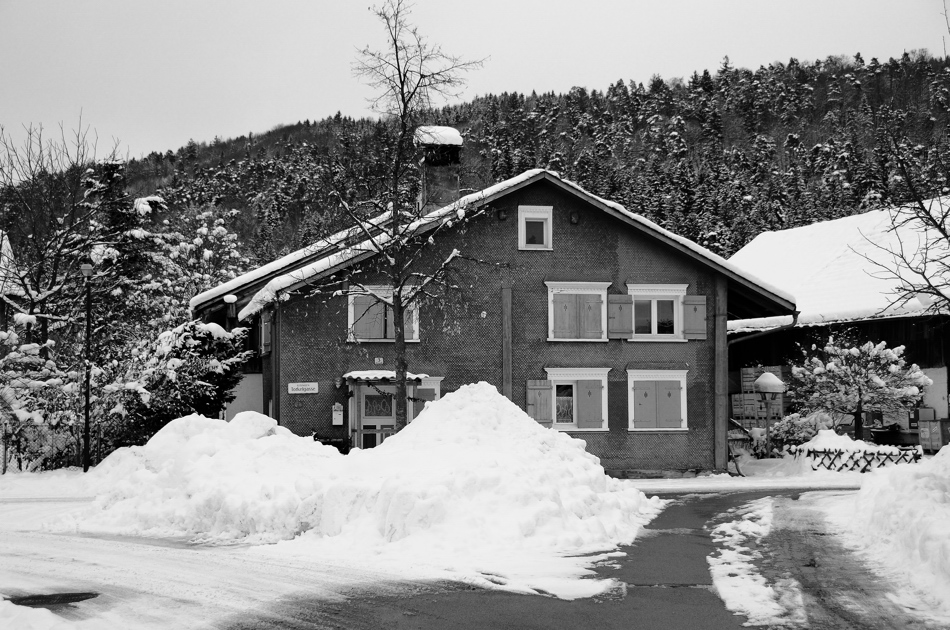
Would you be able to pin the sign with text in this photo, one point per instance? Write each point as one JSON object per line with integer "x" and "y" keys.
{"x": 303, "y": 388}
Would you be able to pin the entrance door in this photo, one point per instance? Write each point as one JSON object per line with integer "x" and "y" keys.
{"x": 376, "y": 414}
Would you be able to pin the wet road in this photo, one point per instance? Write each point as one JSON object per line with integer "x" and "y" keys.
{"x": 666, "y": 580}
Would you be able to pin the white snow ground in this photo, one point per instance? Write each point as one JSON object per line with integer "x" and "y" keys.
{"x": 741, "y": 587}
{"x": 467, "y": 494}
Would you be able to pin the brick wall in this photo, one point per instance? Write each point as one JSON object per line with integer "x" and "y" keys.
{"x": 461, "y": 336}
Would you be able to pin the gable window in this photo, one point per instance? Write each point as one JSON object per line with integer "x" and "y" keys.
{"x": 370, "y": 319}
{"x": 657, "y": 400}
{"x": 571, "y": 399}
{"x": 657, "y": 311}
{"x": 534, "y": 227}
{"x": 577, "y": 311}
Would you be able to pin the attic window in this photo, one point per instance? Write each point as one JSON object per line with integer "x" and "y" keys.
{"x": 534, "y": 227}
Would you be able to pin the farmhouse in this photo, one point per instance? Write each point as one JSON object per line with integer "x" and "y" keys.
{"x": 595, "y": 320}
{"x": 839, "y": 273}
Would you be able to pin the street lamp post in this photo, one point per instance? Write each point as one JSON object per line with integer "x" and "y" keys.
{"x": 769, "y": 387}
{"x": 86, "y": 269}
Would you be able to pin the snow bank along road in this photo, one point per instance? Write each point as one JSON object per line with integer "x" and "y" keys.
{"x": 772, "y": 545}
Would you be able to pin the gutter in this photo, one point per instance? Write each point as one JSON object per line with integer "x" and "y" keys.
{"x": 766, "y": 332}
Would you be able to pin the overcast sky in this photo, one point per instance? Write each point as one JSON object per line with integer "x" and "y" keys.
{"x": 152, "y": 74}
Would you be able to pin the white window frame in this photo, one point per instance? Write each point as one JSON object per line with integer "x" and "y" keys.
{"x": 581, "y": 288}
{"x": 654, "y": 292}
{"x": 536, "y": 213}
{"x": 657, "y": 375}
{"x": 570, "y": 376}
{"x": 386, "y": 293}
{"x": 367, "y": 391}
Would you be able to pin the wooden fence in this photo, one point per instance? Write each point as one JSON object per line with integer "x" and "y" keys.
{"x": 861, "y": 461}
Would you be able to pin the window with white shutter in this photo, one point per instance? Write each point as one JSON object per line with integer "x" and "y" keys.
{"x": 657, "y": 400}
{"x": 576, "y": 398}
{"x": 577, "y": 311}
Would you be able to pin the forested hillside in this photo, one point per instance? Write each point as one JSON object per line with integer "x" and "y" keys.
{"x": 717, "y": 157}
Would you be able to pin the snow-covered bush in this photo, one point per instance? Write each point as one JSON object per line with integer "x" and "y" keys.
{"x": 848, "y": 377}
{"x": 794, "y": 429}
{"x": 190, "y": 369}
{"x": 28, "y": 380}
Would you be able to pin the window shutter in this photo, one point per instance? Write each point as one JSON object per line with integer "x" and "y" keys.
{"x": 367, "y": 317}
{"x": 590, "y": 414}
{"x": 644, "y": 404}
{"x": 694, "y": 316}
{"x": 410, "y": 313}
{"x": 565, "y": 316}
{"x": 591, "y": 316}
{"x": 669, "y": 411}
{"x": 421, "y": 396}
{"x": 539, "y": 402}
{"x": 619, "y": 316}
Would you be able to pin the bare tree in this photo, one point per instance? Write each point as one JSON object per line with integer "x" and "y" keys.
{"x": 409, "y": 74}
{"x": 917, "y": 257}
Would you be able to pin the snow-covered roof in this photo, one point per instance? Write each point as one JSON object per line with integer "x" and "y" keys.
{"x": 381, "y": 375}
{"x": 836, "y": 269}
{"x": 299, "y": 275}
{"x": 276, "y": 266}
{"x": 431, "y": 134}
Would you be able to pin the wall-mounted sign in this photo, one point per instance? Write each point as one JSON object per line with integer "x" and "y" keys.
{"x": 337, "y": 414}
{"x": 303, "y": 388}
{"x": 378, "y": 360}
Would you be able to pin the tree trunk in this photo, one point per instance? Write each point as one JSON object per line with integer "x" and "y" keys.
{"x": 859, "y": 421}
{"x": 399, "y": 349}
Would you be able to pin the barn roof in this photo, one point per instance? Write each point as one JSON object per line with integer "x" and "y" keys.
{"x": 840, "y": 270}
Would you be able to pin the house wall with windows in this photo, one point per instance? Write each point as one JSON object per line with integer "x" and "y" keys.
{"x": 576, "y": 276}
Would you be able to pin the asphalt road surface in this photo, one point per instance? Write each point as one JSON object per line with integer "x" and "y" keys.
{"x": 666, "y": 578}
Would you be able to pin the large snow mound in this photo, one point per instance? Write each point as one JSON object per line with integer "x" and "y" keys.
{"x": 472, "y": 489}
{"x": 900, "y": 517}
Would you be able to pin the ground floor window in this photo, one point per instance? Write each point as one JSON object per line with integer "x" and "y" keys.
{"x": 577, "y": 398}
{"x": 657, "y": 400}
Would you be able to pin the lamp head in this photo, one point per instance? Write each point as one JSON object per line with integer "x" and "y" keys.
{"x": 768, "y": 386}
{"x": 86, "y": 270}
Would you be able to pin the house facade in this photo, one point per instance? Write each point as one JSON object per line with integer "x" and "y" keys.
{"x": 596, "y": 321}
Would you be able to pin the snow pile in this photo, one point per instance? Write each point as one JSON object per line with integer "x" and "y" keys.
{"x": 206, "y": 478}
{"x": 24, "y": 618}
{"x": 473, "y": 489}
{"x": 900, "y": 519}
{"x": 738, "y": 583}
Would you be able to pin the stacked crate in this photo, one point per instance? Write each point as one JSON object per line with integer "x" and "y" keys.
{"x": 748, "y": 407}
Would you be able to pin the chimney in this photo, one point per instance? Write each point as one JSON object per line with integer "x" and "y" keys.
{"x": 440, "y": 164}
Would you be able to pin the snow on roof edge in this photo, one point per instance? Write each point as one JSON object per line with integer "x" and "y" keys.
{"x": 437, "y": 135}
{"x": 692, "y": 245}
{"x": 264, "y": 270}
{"x": 298, "y": 276}
{"x": 761, "y": 324}
{"x": 270, "y": 291}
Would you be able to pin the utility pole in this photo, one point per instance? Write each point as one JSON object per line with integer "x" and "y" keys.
{"x": 86, "y": 273}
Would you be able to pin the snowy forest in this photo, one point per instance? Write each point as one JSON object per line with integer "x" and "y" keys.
{"x": 718, "y": 157}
